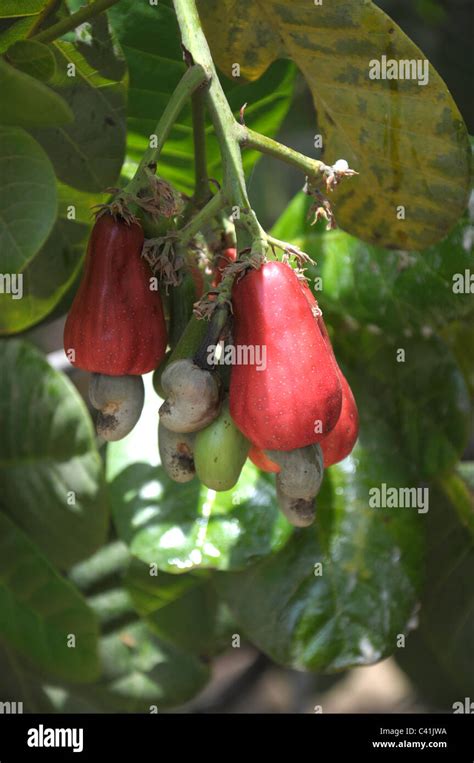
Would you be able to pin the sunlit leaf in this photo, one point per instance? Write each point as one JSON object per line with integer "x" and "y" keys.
{"x": 407, "y": 140}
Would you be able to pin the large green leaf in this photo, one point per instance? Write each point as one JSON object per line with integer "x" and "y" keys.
{"x": 407, "y": 141}
{"x": 88, "y": 154}
{"x": 40, "y": 611}
{"x": 21, "y": 7}
{"x": 13, "y": 30}
{"x": 196, "y": 622}
{"x": 51, "y": 471}
{"x": 46, "y": 278}
{"x": 423, "y": 397}
{"x": 151, "y": 590}
{"x": 150, "y": 39}
{"x": 350, "y": 610}
{"x": 33, "y": 58}
{"x": 139, "y": 671}
{"x": 82, "y": 203}
{"x": 28, "y": 203}
{"x": 28, "y": 102}
{"x": 181, "y": 609}
{"x": 181, "y": 527}
{"x": 445, "y": 631}
{"x": 391, "y": 290}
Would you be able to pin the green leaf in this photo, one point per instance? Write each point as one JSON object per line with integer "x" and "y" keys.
{"x": 195, "y": 622}
{"x": 88, "y": 154}
{"x": 33, "y": 58}
{"x": 51, "y": 471}
{"x": 139, "y": 671}
{"x": 181, "y": 609}
{"x": 11, "y": 32}
{"x": 80, "y": 203}
{"x": 391, "y": 290}
{"x": 39, "y": 611}
{"x": 422, "y": 395}
{"x": 21, "y": 7}
{"x": 460, "y": 338}
{"x": 27, "y": 102}
{"x": 432, "y": 683}
{"x": 350, "y": 610}
{"x": 150, "y": 592}
{"x": 446, "y": 619}
{"x": 28, "y": 202}
{"x": 407, "y": 141}
{"x": 182, "y": 527}
{"x": 466, "y": 470}
{"x": 458, "y": 489}
{"x": 138, "y": 28}
{"x": 46, "y": 278}
{"x": 19, "y": 687}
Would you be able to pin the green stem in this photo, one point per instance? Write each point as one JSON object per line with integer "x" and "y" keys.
{"x": 50, "y": 7}
{"x": 208, "y": 212}
{"x": 73, "y": 21}
{"x": 225, "y": 125}
{"x": 193, "y": 78}
{"x": 250, "y": 139}
{"x": 201, "y": 187}
{"x": 216, "y": 326}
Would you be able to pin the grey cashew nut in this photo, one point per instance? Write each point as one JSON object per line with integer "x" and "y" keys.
{"x": 298, "y": 511}
{"x": 176, "y": 454}
{"x": 192, "y": 397}
{"x": 298, "y": 482}
{"x": 119, "y": 400}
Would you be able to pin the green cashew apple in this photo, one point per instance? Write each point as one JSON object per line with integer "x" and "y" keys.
{"x": 220, "y": 452}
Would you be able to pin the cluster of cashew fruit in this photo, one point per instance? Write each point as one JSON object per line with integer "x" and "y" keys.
{"x": 293, "y": 417}
{"x": 198, "y": 437}
{"x": 292, "y": 414}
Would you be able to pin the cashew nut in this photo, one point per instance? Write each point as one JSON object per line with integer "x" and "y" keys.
{"x": 176, "y": 454}
{"x": 192, "y": 397}
{"x": 119, "y": 400}
{"x": 298, "y": 482}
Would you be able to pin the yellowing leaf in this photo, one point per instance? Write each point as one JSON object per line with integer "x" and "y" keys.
{"x": 407, "y": 140}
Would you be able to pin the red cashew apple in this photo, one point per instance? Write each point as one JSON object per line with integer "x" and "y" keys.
{"x": 261, "y": 460}
{"x": 116, "y": 324}
{"x": 341, "y": 440}
{"x": 294, "y": 397}
{"x": 224, "y": 259}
